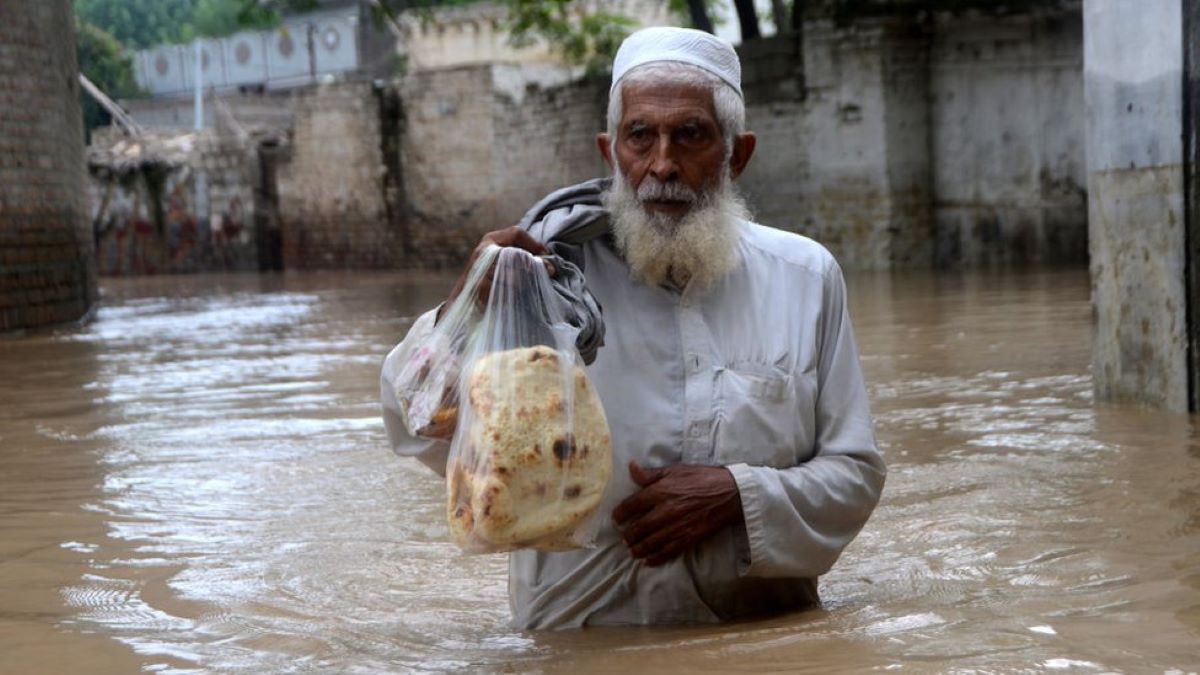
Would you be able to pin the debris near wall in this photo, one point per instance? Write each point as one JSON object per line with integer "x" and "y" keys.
{"x": 169, "y": 202}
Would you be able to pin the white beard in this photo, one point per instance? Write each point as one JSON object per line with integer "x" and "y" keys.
{"x": 696, "y": 249}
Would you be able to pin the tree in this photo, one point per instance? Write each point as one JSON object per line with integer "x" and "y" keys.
{"x": 138, "y": 24}
{"x": 583, "y": 37}
{"x": 104, "y": 62}
{"x": 748, "y": 18}
{"x": 218, "y": 18}
{"x": 698, "y": 13}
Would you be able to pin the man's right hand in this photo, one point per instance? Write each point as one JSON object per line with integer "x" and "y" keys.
{"x": 509, "y": 236}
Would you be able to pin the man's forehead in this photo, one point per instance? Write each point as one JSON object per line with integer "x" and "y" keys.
{"x": 667, "y": 101}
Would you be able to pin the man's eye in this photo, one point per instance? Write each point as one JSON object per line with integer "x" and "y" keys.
{"x": 638, "y": 136}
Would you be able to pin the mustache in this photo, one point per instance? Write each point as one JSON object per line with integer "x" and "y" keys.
{"x": 652, "y": 189}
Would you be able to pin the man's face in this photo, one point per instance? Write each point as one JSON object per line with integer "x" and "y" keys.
{"x": 670, "y": 133}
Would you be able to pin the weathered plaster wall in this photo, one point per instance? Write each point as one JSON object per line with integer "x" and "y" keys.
{"x": 47, "y": 273}
{"x": 1133, "y": 57}
{"x": 333, "y": 211}
{"x": 1007, "y": 139}
{"x": 848, "y": 164}
{"x": 478, "y": 148}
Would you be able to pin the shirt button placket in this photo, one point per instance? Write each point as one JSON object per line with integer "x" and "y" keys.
{"x": 697, "y": 386}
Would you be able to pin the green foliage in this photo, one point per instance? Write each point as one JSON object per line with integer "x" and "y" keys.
{"x": 582, "y": 37}
{"x": 137, "y": 24}
{"x": 218, "y": 18}
{"x": 707, "y": 8}
{"x": 104, "y": 62}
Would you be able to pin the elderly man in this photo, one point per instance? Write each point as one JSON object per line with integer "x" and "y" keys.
{"x": 729, "y": 374}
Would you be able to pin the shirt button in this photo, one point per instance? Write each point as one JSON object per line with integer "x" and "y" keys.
{"x": 694, "y": 362}
{"x": 696, "y": 429}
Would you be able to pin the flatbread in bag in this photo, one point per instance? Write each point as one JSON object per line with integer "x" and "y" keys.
{"x": 533, "y": 466}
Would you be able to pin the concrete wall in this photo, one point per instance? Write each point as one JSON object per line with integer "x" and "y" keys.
{"x": 862, "y": 187}
{"x": 960, "y": 146}
{"x": 1133, "y": 57}
{"x": 47, "y": 273}
{"x": 332, "y": 207}
{"x": 1007, "y": 139}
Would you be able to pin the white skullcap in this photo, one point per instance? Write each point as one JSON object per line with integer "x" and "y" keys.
{"x": 683, "y": 45}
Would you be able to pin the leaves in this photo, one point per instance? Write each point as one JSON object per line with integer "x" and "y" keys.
{"x": 581, "y": 36}
{"x": 104, "y": 62}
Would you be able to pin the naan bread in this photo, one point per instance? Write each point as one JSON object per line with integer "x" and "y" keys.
{"x": 532, "y": 466}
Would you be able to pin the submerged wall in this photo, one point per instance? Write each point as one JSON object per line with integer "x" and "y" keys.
{"x": 1007, "y": 139}
{"x": 333, "y": 207}
{"x": 954, "y": 142}
{"x": 47, "y": 271}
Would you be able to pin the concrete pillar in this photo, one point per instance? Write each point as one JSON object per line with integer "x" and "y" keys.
{"x": 47, "y": 266}
{"x": 1133, "y": 67}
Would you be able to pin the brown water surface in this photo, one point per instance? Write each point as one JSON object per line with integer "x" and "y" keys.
{"x": 198, "y": 480}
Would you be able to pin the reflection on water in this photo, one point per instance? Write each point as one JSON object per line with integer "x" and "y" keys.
{"x": 199, "y": 479}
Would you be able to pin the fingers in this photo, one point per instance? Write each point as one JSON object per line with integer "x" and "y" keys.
{"x": 509, "y": 236}
{"x": 659, "y": 540}
{"x": 654, "y": 543}
{"x": 633, "y": 507}
{"x": 677, "y": 508}
{"x": 515, "y": 236}
{"x": 667, "y": 553}
{"x": 644, "y": 477}
{"x": 523, "y": 239}
{"x": 643, "y": 500}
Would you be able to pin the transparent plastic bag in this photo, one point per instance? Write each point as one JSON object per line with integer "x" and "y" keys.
{"x": 531, "y": 454}
{"x": 427, "y": 384}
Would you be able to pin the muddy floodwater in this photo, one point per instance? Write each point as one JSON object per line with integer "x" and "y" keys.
{"x": 198, "y": 480}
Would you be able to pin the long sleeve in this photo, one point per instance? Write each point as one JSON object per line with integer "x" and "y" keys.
{"x": 432, "y": 453}
{"x": 799, "y": 519}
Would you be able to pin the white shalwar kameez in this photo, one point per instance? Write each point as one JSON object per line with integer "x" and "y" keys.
{"x": 760, "y": 374}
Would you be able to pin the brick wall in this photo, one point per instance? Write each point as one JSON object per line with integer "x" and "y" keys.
{"x": 479, "y": 148}
{"x": 332, "y": 207}
{"x": 47, "y": 274}
{"x": 545, "y": 139}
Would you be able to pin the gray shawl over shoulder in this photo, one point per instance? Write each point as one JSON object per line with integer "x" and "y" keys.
{"x": 564, "y": 220}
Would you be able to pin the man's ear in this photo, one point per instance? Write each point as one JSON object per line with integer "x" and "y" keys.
{"x": 605, "y": 148}
{"x": 743, "y": 148}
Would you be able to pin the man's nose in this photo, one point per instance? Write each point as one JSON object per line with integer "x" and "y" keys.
{"x": 663, "y": 165}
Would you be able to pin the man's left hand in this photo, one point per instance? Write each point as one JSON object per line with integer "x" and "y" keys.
{"x": 678, "y": 507}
